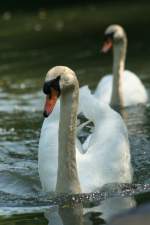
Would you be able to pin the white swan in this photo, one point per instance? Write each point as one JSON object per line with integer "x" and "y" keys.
{"x": 62, "y": 168}
{"x": 124, "y": 88}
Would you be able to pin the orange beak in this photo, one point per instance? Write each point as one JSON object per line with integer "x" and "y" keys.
{"x": 50, "y": 102}
{"x": 106, "y": 46}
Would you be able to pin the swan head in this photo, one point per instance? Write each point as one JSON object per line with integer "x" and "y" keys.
{"x": 114, "y": 36}
{"x": 58, "y": 80}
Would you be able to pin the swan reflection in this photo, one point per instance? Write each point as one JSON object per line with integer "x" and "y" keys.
{"x": 78, "y": 215}
{"x": 72, "y": 215}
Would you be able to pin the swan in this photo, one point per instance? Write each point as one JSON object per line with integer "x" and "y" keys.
{"x": 62, "y": 167}
{"x": 123, "y": 88}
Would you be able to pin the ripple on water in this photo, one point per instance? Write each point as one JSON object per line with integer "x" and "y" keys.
{"x": 138, "y": 123}
{"x": 23, "y": 102}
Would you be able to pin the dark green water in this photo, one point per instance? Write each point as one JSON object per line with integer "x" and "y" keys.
{"x": 30, "y": 44}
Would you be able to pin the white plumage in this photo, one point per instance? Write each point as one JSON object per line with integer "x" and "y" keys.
{"x": 121, "y": 88}
{"x": 107, "y": 152}
{"x": 107, "y": 158}
{"x": 133, "y": 90}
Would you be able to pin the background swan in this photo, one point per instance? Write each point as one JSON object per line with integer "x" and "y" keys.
{"x": 64, "y": 169}
{"x": 124, "y": 88}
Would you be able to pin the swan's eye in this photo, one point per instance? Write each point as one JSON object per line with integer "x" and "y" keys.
{"x": 48, "y": 85}
{"x": 109, "y": 36}
{"x": 47, "y": 88}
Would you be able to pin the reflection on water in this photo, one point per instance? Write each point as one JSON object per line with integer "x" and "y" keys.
{"x": 63, "y": 216}
{"x": 77, "y": 216}
{"x": 32, "y": 43}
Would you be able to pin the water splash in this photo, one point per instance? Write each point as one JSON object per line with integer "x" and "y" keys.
{"x": 40, "y": 198}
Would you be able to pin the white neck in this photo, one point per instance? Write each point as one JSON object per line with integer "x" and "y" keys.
{"x": 67, "y": 176}
{"x": 119, "y": 55}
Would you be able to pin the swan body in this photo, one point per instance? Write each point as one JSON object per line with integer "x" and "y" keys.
{"x": 101, "y": 163}
{"x": 133, "y": 90}
{"x": 123, "y": 88}
{"x": 48, "y": 151}
{"x": 62, "y": 166}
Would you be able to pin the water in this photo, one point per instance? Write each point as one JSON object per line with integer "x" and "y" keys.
{"x": 31, "y": 43}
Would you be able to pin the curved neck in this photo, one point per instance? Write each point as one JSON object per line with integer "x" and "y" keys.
{"x": 119, "y": 55}
{"x": 67, "y": 176}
